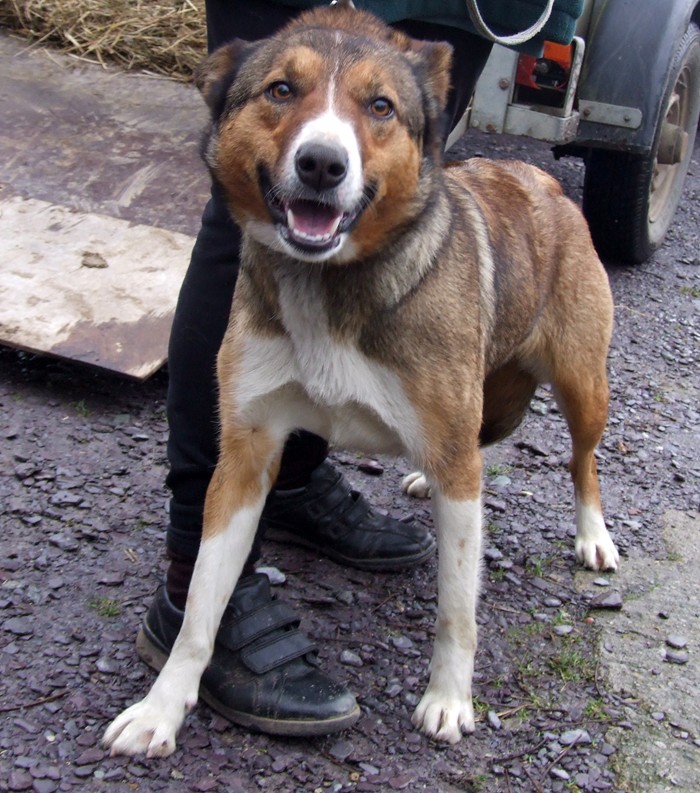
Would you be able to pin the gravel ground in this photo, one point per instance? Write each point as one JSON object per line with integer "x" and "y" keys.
{"x": 83, "y": 514}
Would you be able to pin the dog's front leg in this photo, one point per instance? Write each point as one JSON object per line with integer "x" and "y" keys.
{"x": 446, "y": 712}
{"x": 247, "y": 466}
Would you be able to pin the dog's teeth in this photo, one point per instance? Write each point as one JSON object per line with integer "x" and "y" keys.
{"x": 332, "y": 232}
{"x": 313, "y": 238}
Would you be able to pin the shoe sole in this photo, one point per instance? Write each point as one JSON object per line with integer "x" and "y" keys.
{"x": 373, "y": 565}
{"x": 153, "y": 654}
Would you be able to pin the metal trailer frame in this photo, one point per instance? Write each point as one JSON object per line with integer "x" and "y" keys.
{"x": 623, "y": 53}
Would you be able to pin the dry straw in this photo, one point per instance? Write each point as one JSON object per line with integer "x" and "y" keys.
{"x": 162, "y": 36}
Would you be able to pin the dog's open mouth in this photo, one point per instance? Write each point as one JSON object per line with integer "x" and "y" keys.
{"x": 313, "y": 226}
{"x": 310, "y": 226}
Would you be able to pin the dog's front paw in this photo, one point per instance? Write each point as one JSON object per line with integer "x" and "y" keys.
{"x": 594, "y": 546}
{"x": 598, "y": 553}
{"x": 144, "y": 728}
{"x": 444, "y": 718}
{"x": 416, "y": 485}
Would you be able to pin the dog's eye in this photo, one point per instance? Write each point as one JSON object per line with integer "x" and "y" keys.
{"x": 381, "y": 107}
{"x": 280, "y": 91}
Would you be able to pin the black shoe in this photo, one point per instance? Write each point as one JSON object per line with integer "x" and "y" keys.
{"x": 262, "y": 673}
{"x": 331, "y": 517}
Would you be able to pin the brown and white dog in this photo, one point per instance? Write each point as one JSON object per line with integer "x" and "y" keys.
{"x": 385, "y": 303}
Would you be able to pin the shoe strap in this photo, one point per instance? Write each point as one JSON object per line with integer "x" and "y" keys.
{"x": 276, "y": 651}
{"x": 239, "y": 630}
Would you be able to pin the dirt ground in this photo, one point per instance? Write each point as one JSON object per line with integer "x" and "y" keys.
{"x": 83, "y": 516}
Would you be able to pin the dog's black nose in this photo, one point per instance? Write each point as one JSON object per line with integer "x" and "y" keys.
{"x": 321, "y": 166}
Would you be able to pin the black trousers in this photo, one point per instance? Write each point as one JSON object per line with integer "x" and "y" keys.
{"x": 205, "y": 298}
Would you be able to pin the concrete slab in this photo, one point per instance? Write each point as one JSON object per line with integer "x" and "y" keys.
{"x": 88, "y": 287}
{"x": 661, "y": 599}
{"x": 92, "y": 145}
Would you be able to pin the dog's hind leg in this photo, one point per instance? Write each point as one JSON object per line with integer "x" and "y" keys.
{"x": 446, "y": 712}
{"x": 247, "y": 466}
{"x": 583, "y": 399}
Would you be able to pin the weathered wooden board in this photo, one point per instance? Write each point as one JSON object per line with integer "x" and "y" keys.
{"x": 88, "y": 287}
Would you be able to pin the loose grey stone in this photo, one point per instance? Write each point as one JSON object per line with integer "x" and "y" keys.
{"x": 371, "y": 467}
{"x": 495, "y": 504}
{"x": 44, "y": 786}
{"x": 608, "y": 600}
{"x": 559, "y": 773}
{"x": 676, "y": 657}
{"x": 676, "y": 641}
{"x": 571, "y": 737}
{"x": 492, "y": 555}
{"x": 402, "y": 642}
{"x": 64, "y": 498}
{"x": 107, "y": 666}
{"x": 349, "y": 658}
{"x": 19, "y": 780}
{"x": 601, "y": 582}
{"x": 20, "y": 626}
{"x": 341, "y": 750}
{"x": 393, "y": 690}
{"x": 503, "y": 564}
{"x": 552, "y": 602}
{"x": 346, "y": 596}
{"x": 493, "y": 720}
{"x": 64, "y": 543}
{"x": 112, "y": 578}
{"x": 92, "y": 755}
{"x": 563, "y": 630}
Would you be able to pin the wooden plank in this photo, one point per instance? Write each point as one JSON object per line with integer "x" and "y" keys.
{"x": 88, "y": 287}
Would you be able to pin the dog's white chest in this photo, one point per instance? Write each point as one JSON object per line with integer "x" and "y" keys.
{"x": 354, "y": 401}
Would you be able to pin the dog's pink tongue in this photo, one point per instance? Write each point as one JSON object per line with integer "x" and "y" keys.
{"x": 313, "y": 220}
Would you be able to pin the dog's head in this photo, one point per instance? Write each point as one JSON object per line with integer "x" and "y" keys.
{"x": 323, "y": 136}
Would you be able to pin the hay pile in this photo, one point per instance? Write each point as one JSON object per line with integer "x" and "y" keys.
{"x": 162, "y": 36}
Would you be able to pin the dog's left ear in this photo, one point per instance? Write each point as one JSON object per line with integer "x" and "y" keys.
{"x": 216, "y": 73}
{"x": 434, "y": 63}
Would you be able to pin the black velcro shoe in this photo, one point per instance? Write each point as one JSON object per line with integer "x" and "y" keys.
{"x": 262, "y": 674}
{"x": 336, "y": 520}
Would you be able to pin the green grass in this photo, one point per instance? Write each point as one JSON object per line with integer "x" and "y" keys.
{"x": 571, "y": 665}
{"x": 106, "y": 607}
{"x": 595, "y": 710}
{"x": 497, "y": 469}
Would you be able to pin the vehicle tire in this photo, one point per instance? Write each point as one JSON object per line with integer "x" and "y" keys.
{"x": 629, "y": 200}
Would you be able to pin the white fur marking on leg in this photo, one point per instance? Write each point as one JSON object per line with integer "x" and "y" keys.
{"x": 151, "y": 725}
{"x": 446, "y": 712}
{"x": 594, "y": 546}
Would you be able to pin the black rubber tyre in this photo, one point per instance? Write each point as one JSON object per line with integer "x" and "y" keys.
{"x": 629, "y": 200}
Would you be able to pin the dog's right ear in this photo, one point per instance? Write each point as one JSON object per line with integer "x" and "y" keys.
{"x": 216, "y": 73}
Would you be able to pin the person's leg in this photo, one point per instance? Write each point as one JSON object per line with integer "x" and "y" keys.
{"x": 198, "y": 327}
